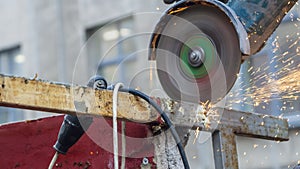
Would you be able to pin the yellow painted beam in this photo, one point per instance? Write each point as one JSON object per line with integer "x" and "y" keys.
{"x": 47, "y": 96}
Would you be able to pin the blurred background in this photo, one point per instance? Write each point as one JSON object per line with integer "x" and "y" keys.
{"x": 70, "y": 40}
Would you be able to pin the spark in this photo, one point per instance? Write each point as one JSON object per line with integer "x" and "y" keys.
{"x": 197, "y": 131}
{"x": 277, "y": 79}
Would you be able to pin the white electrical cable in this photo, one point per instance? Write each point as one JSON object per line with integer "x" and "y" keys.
{"x": 123, "y": 144}
{"x": 115, "y": 124}
{"x": 54, "y": 158}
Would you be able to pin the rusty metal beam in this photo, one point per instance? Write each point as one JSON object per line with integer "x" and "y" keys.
{"x": 225, "y": 150}
{"x": 254, "y": 125}
{"x": 241, "y": 123}
{"x": 47, "y": 96}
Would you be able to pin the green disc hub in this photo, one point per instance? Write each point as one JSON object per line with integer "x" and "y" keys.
{"x": 197, "y": 56}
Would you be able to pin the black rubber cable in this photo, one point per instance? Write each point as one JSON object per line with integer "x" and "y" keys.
{"x": 167, "y": 121}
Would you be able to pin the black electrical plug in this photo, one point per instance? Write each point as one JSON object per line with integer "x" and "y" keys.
{"x": 73, "y": 126}
{"x": 70, "y": 132}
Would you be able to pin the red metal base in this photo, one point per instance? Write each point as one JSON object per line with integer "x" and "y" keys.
{"x": 29, "y": 145}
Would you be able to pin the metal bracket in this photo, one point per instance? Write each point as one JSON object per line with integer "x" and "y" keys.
{"x": 244, "y": 124}
{"x": 230, "y": 124}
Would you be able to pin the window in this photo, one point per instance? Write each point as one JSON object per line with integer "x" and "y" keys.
{"x": 111, "y": 50}
{"x": 11, "y": 63}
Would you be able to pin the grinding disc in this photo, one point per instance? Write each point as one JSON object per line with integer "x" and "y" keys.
{"x": 198, "y": 56}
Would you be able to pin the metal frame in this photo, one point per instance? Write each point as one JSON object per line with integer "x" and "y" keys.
{"x": 62, "y": 98}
